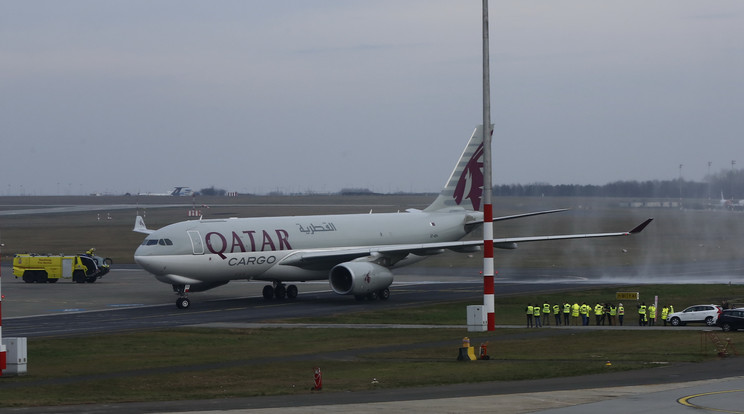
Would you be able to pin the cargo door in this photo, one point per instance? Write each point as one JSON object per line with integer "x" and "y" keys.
{"x": 196, "y": 242}
{"x": 67, "y": 268}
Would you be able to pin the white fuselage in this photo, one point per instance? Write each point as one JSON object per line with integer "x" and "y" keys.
{"x": 218, "y": 250}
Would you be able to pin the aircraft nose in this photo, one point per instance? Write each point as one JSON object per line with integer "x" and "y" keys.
{"x": 146, "y": 262}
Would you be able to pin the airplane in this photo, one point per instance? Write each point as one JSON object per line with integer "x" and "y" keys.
{"x": 354, "y": 252}
{"x": 734, "y": 205}
{"x": 176, "y": 191}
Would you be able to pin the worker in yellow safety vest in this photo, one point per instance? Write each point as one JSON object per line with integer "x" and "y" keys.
{"x": 536, "y": 312}
{"x": 575, "y": 313}
{"x": 613, "y": 313}
{"x": 566, "y": 313}
{"x": 642, "y": 314}
{"x": 620, "y": 313}
{"x": 651, "y": 315}
{"x": 598, "y": 312}
{"x": 546, "y": 312}
{"x": 584, "y": 311}
{"x": 664, "y": 313}
{"x": 557, "y": 314}
{"x": 529, "y": 315}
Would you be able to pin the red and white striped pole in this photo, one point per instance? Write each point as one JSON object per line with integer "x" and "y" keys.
{"x": 3, "y": 355}
{"x": 488, "y": 268}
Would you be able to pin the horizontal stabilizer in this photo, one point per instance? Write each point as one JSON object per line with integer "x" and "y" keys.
{"x": 534, "y": 213}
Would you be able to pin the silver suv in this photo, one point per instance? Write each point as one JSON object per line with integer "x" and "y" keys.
{"x": 697, "y": 313}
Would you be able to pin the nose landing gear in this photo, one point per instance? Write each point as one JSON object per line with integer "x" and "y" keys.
{"x": 183, "y": 301}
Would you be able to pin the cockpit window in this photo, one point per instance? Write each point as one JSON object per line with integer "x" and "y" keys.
{"x": 153, "y": 242}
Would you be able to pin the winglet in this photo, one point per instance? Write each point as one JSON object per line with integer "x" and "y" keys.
{"x": 639, "y": 228}
{"x": 139, "y": 226}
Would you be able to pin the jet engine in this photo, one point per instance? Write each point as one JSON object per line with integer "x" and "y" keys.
{"x": 361, "y": 279}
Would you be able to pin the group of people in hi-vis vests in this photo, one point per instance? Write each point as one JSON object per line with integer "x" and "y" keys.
{"x": 568, "y": 314}
{"x": 647, "y": 314}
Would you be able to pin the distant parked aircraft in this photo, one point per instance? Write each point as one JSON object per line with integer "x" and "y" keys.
{"x": 177, "y": 191}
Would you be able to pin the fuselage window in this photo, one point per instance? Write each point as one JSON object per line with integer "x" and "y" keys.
{"x": 151, "y": 242}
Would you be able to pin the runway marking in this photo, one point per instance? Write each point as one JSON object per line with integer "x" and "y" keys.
{"x": 686, "y": 401}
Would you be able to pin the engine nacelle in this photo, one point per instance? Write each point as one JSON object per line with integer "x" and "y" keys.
{"x": 359, "y": 278}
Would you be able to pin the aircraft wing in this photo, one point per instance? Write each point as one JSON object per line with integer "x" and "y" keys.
{"x": 514, "y": 240}
{"x": 324, "y": 258}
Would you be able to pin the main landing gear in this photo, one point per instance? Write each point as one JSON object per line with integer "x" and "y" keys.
{"x": 280, "y": 291}
{"x": 382, "y": 294}
{"x": 183, "y": 301}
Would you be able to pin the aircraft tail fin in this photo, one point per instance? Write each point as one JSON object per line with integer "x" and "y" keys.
{"x": 464, "y": 188}
{"x": 139, "y": 226}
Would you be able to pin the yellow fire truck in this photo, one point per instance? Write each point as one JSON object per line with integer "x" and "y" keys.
{"x": 82, "y": 268}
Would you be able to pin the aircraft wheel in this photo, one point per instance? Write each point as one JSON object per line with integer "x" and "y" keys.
{"x": 268, "y": 292}
{"x": 280, "y": 292}
{"x": 183, "y": 303}
{"x": 292, "y": 291}
{"x": 384, "y": 294}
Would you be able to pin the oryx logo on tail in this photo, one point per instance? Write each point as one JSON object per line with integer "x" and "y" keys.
{"x": 470, "y": 184}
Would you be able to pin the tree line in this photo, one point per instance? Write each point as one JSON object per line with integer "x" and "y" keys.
{"x": 730, "y": 183}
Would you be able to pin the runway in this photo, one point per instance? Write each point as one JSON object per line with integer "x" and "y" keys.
{"x": 128, "y": 299}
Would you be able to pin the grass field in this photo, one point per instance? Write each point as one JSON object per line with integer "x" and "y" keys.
{"x": 230, "y": 363}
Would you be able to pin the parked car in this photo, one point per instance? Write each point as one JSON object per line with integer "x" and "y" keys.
{"x": 731, "y": 319}
{"x": 697, "y": 313}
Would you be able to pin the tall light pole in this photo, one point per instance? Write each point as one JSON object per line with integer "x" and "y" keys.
{"x": 488, "y": 268}
{"x": 733, "y": 162}
{"x": 709, "y": 178}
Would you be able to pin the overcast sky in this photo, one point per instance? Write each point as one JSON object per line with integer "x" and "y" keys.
{"x": 259, "y": 96}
